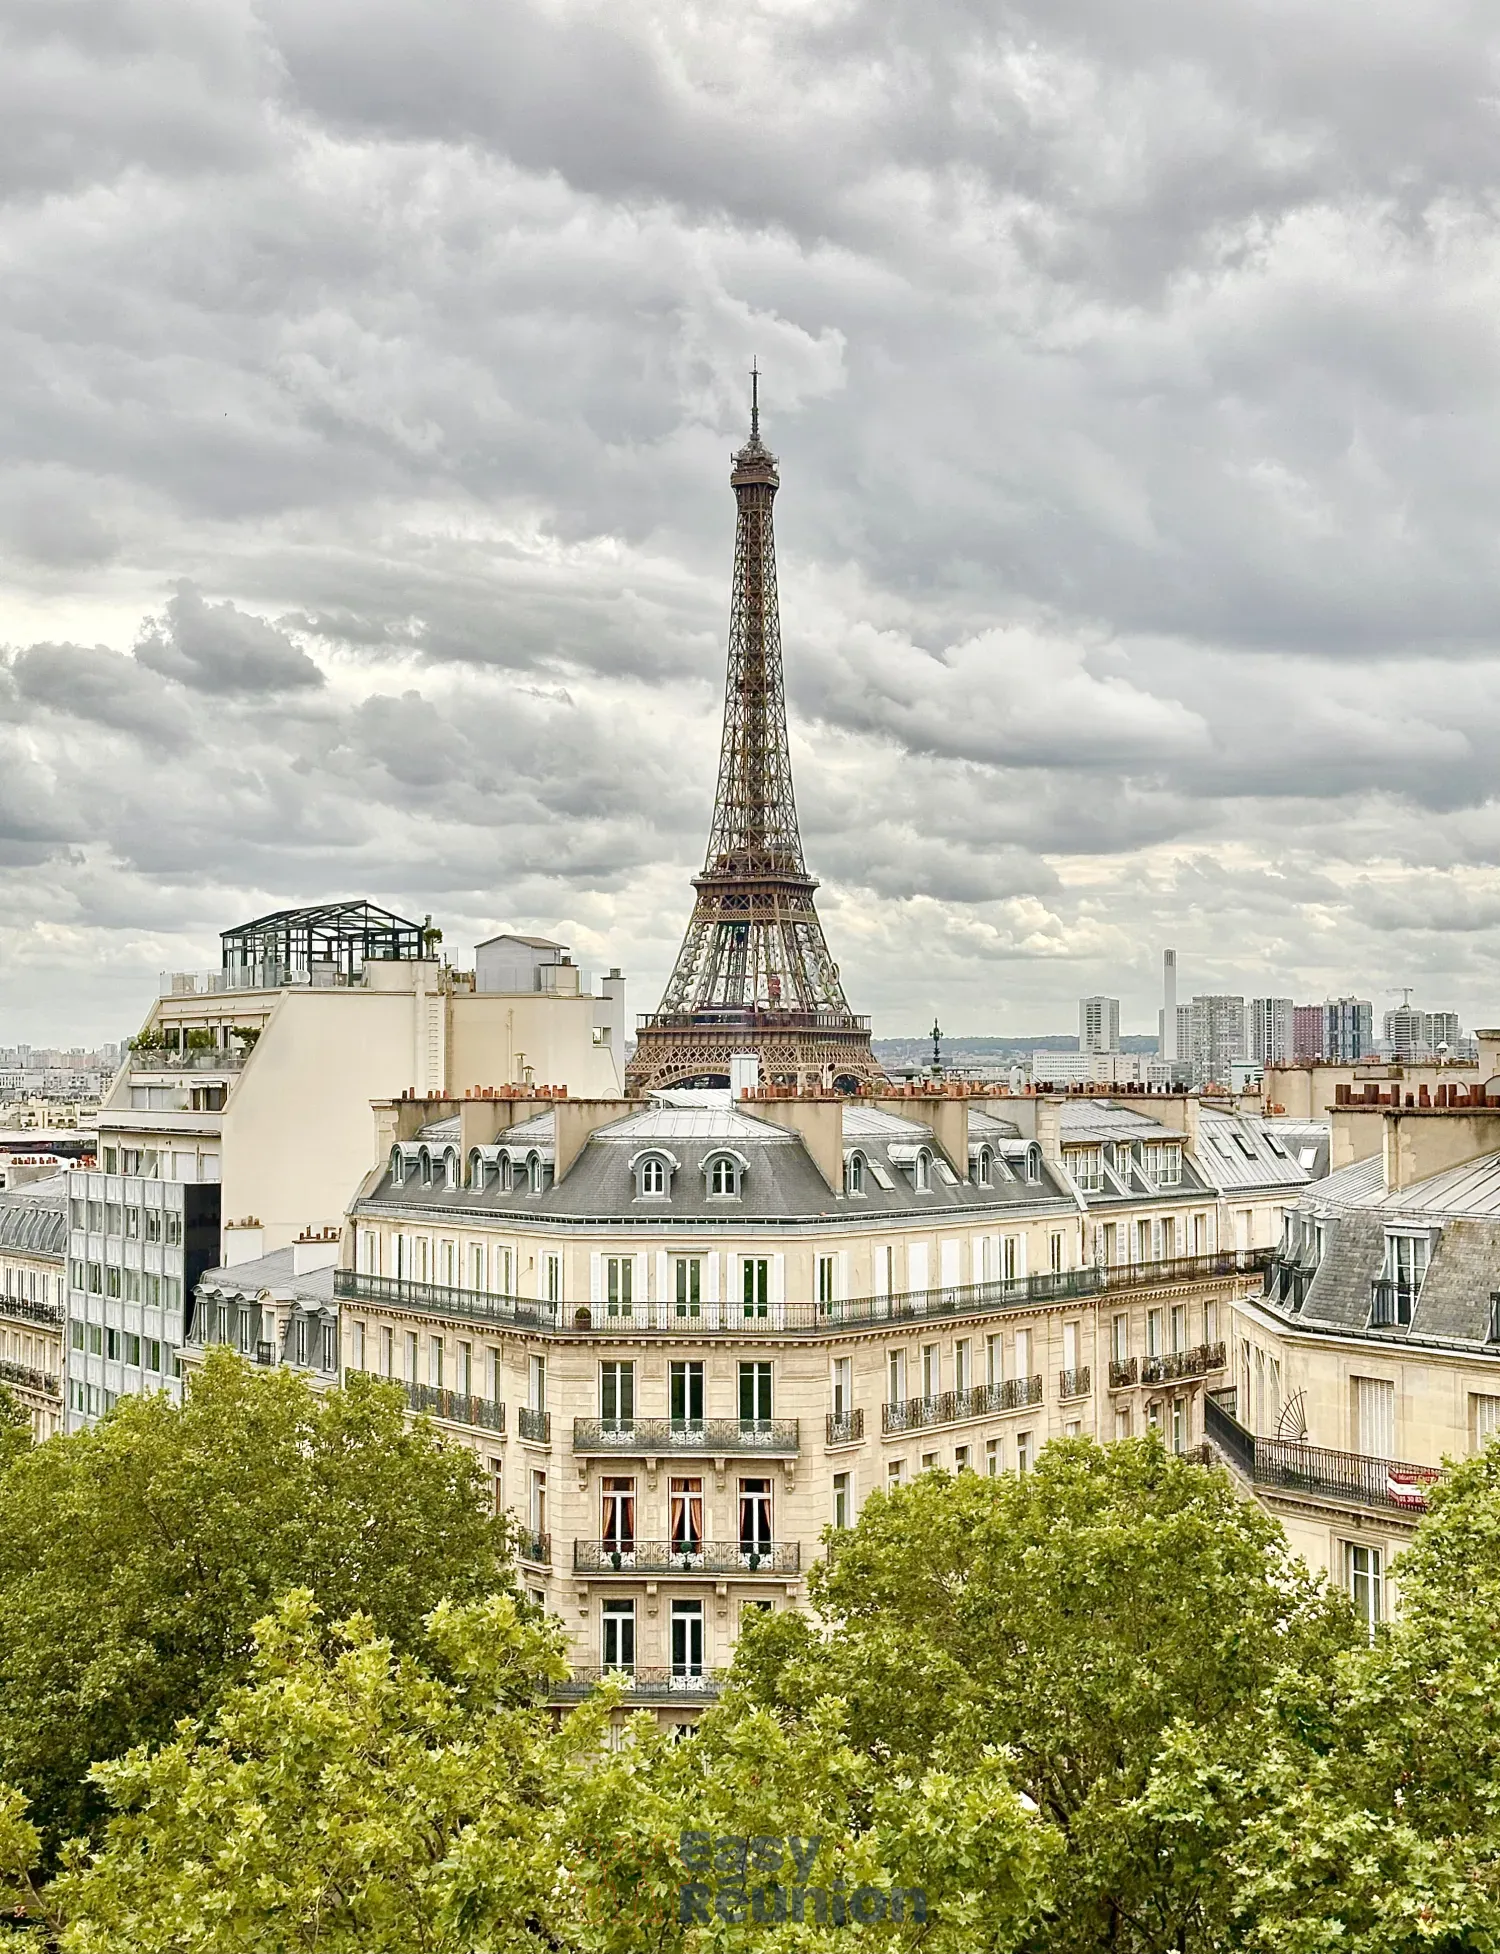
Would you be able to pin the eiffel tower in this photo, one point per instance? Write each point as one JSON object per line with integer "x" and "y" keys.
{"x": 754, "y": 972}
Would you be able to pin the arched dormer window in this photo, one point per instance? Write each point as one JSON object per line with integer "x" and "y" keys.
{"x": 476, "y": 1170}
{"x": 1033, "y": 1164}
{"x": 921, "y": 1171}
{"x": 424, "y": 1159}
{"x": 450, "y": 1167}
{"x": 653, "y": 1177}
{"x": 398, "y": 1167}
{"x": 534, "y": 1173}
{"x": 984, "y": 1168}
{"x": 653, "y": 1168}
{"x": 507, "y": 1173}
{"x": 724, "y": 1174}
{"x": 854, "y": 1173}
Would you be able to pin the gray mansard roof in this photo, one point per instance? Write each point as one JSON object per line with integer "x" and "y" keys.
{"x": 1459, "y": 1210}
{"x": 268, "y": 1276}
{"x": 780, "y": 1181}
{"x": 34, "y": 1218}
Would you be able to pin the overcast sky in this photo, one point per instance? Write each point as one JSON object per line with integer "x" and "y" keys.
{"x": 369, "y": 371}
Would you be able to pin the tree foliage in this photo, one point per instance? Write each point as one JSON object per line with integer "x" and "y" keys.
{"x": 136, "y": 1558}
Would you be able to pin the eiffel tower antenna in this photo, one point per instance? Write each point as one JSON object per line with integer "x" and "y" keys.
{"x": 754, "y": 973}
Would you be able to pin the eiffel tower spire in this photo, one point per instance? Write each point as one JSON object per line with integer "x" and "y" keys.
{"x": 754, "y": 972}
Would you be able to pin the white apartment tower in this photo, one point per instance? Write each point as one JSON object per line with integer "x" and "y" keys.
{"x": 1166, "y": 1036}
{"x": 1271, "y": 1039}
{"x": 1098, "y": 1024}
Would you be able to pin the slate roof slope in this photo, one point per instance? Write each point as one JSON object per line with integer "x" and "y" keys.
{"x": 271, "y": 1274}
{"x": 34, "y": 1218}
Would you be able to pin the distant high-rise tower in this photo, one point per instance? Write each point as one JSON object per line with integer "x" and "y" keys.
{"x": 754, "y": 973}
{"x": 1098, "y": 1024}
{"x": 1166, "y": 1038}
{"x": 1272, "y": 1034}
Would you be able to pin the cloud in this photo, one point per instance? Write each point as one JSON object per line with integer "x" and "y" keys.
{"x": 1138, "y": 409}
{"x": 218, "y": 648}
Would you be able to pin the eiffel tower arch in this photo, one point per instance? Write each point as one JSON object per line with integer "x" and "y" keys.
{"x": 754, "y": 973}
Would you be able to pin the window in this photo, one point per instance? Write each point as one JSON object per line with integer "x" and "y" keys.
{"x": 617, "y": 1516}
{"x": 153, "y": 1224}
{"x": 617, "y": 1394}
{"x": 411, "y": 1357}
{"x": 1119, "y": 1338}
{"x": 723, "y": 1176}
{"x": 464, "y": 1382}
{"x": 994, "y": 1358}
{"x": 685, "y": 1517}
{"x": 687, "y": 1276}
{"x": 895, "y": 1376}
{"x": 687, "y": 1642}
{"x": 1484, "y": 1420}
{"x": 153, "y": 1354}
{"x": 387, "y": 1351}
{"x": 931, "y": 1374}
{"x": 619, "y": 1284}
{"x": 112, "y": 1344}
{"x": 755, "y": 1393}
{"x": 538, "y": 1510}
{"x": 929, "y": 1461}
{"x": 921, "y": 1171}
{"x": 359, "y": 1344}
{"x": 1057, "y": 1254}
{"x": 554, "y": 1279}
{"x": 75, "y": 1334}
{"x": 653, "y": 1176}
{"x": 1122, "y": 1422}
{"x": 843, "y": 1500}
{"x": 1086, "y": 1165}
{"x": 1073, "y": 1428}
{"x": 1023, "y": 1453}
{"x": 536, "y": 1383}
{"x": 895, "y": 1472}
{"x": 843, "y": 1386}
{"x": 112, "y": 1283}
{"x": 1210, "y": 1322}
{"x": 1396, "y": 1290}
{"x": 1179, "y": 1326}
{"x": 756, "y": 1276}
{"x": 1023, "y": 1353}
{"x": 963, "y": 1364}
{"x": 617, "y": 1635}
{"x": 330, "y": 1352}
{"x": 961, "y": 1458}
{"x": 755, "y": 1519}
{"x": 1153, "y": 1332}
{"x": 132, "y": 1348}
{"x": 854, "y": 1173}
{"x": 984, "y": 1168}
{"x": 993, "y": 1457}
{"x": 827, "y": 1276}
{"x": 1179, "y": 1425}
{"x": 686, "y": 1389}
{"x": 1362, "y": 1571}
{"x": 1374, "y": 1416}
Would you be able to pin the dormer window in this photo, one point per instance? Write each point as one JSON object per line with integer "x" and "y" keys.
{"x": 425, "y": 1160}
{"x": 534, "y": 1173}
{"x": 476, "y": 1169}
{"x": 653, "y": 1170}
{"x": 1033, "y": 1164}
{"x": 1086, "y": 1165}
{"x": 724, "y": 1172}
{"x": 921, "y": 1171}
{"x": 450, "y": 1168}
{"x": 854, "y": 1173}
{"x": 984, "y": 1168}
{"x": 398, "y": 1167}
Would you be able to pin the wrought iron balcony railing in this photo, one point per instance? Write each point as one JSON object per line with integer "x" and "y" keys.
{"x": 1353, "y": 1478}
{"x": 31, "y": 1380}
{"x": 534, "y": 1547}
{"x": 736, "y": 1319}
{"x": 455, "y": 1407}
{"x": 764, "y": 1435}
{"x": 1173, "y": 1365}
{"x": 163, "y": 1058}
{"x": 657, "y": 1684}
{"x": 845, "y": 1427}
{"x": 1123, "y": 1372}
{"x": 1391, "y": 1303}
{"x": 1074, "y": 1383}
{"x": 534, "y": 1425}
{"x": 952, "y": 1407}
{"x": 23, "y": 1310}
{"x": 673, "y": 1557}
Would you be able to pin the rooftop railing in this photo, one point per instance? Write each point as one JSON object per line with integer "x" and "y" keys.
{"x": 166, "y": 1058}
{"x": 789, "y": 1318}
{"x": 723, "y": 1435}
{"x": 1172, "y": 1365}
{"x": 781, "y": 1557}
{"x": 1354, "y": 1478}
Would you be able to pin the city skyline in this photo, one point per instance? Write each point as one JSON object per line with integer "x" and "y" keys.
{"x": 378, "y": 550}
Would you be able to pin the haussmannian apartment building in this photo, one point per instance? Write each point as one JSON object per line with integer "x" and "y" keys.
{"x": 685, "y": 1336}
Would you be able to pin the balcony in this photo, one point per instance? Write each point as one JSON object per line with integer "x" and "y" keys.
{"x": 1074, "y": 1383}
{"x": 28, "y": 1379}
{"x": 772, "y": 1436}
{"x": 1174, "y": 1365}
{"x": 534, "y": 1547}
{"x": 455, "y": 1407}
{"x": 23, "y": 1310}
{"x": 732, "y": 1319}
{"x": 534, "y": 1426}
{"x": 1391, "y": 1303}
{"x": 845, "y": 1427}
{"x": 737, "y": 1557}
{"x": 167, "y": 1058}
{"x": 642, "y": 1684}
{"x": 1285, "y": 1465}
{"x": 1288, "y": 1283}
{"x": 1123, "y": 1372}
{"x": 952, "y": 1407}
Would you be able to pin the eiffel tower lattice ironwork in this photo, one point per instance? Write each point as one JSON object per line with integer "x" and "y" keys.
{"x": 754, "y": 973}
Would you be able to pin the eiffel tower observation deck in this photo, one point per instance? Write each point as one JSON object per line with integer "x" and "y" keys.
{"x": 754, "y": 973}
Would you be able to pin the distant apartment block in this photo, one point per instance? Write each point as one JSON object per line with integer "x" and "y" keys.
{"x": 1217, "y": 1037}
{"x": 1348, "y": 1030}
{"x": 1272, "y": 1032}
{"x": 1414, "y": 1034}
{"x": 1307, "y": 1032}
{"x": 1098, "y": 1024}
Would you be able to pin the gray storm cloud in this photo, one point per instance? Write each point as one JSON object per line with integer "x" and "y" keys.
{"x": 370, "y": 373}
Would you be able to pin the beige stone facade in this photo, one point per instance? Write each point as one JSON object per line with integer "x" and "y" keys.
{"x": 33, "y": 1240}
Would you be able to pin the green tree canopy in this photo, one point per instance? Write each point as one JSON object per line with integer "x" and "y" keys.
{"x": 349, "y": 1800}
{"x": 1071, "y": 1618}
{"x": 135, "y": 1558}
